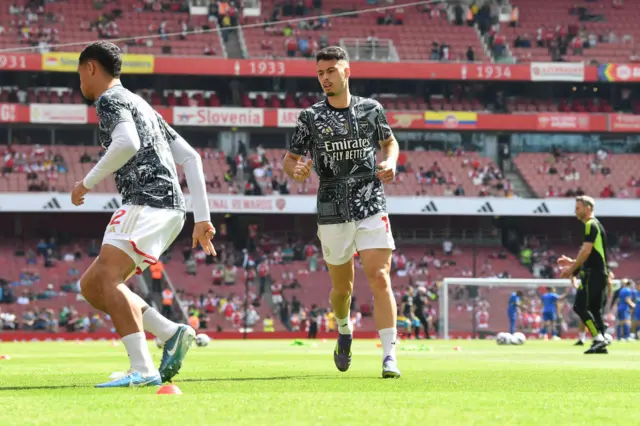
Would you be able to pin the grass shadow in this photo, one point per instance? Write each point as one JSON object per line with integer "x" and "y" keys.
{"x": 204, "y": 380}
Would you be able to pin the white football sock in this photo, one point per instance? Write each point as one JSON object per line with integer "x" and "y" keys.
{"x": 582, "y": 336}
{"x": 599, "y": 338}
{"x": 344, "y": 325}
{"x": 139, "y": 355}
{"x": 155, "y": 323}
{"x": 388, "y": 338}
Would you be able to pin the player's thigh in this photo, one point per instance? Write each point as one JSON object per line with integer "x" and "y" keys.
{"x": 595, "y": 292}
{"x": 338, "y": 248}
{"x": 342, "y": 276}
{"x": 111, "y": 267}
{"x": 624, "y": 316}
{"x": 374, "y": 232}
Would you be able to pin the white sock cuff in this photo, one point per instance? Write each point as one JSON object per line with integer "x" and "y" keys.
{"x": 388, "y": 331}
{"x": 134, "y": 337}
{"x": 147, "y": 313}
{"x": 154, "y": 322}
{"x": 343, "y": 320}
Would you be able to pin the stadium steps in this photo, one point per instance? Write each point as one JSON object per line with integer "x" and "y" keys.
{"x": 233, "y": 44}
{"x": 520, "y": 187}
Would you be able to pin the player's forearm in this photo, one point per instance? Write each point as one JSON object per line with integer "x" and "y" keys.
{"x": 390, "y": 150}
{"x": 186, "y": 156}
{"x": 125, "y": 142}
{"x": 582, "y": 257}
{"x": 288, "y": 165}
{"x": 197, "y": 188}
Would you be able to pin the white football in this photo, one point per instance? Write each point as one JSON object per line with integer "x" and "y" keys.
{"x": 608, "y": 339}
{"x": 503, "y": 338}
{"x": 518, "y": 339}
{"x": 202, "y": 340}
{"x": 159, "y": 343}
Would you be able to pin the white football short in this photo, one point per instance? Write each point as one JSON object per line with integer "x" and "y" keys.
{"x": 340, "y": 241}
{"x": 143, "y": 232}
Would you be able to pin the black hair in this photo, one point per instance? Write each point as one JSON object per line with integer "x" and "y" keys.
{"x": 332, "y": 53}
{"x": 106, "y": 54}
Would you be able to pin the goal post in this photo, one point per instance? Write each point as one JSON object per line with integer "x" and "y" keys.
{"x": 492, "y": 295}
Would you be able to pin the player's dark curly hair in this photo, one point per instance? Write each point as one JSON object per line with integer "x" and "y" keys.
{"x": 106, "y": 54}
{"x": 332, "y": 53}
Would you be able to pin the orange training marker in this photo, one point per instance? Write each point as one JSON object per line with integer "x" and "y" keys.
{"x": 169, "y": 390}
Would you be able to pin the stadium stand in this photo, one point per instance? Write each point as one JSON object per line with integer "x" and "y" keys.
{"x": 606, "y": 176}
{"x": 422, "y": 172}
{"x": 413, "y": 265}
{"x": 460, "y": 98}
{"x": 411, "y": 34}
{"x": 401, "y": 34}
{"x": 78, "y": 20}
{"x": 606, "y": 30}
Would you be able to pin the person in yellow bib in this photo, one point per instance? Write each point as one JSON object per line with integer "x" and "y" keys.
{"x": 267, "y": 325}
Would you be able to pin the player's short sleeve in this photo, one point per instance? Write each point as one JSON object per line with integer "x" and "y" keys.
{"x": 590, "y": 231}
{"x": 301, "y": 139}
{"x": 112, "y": 111}
{"x": 554, "y": 298}
{"x": 382, "y": 125}
{"x": 166, "y": 129}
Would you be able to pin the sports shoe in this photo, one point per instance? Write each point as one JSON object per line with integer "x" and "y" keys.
{"x": 175, "y": 350}
{"x": 579, "y": 343}
{"x": 342, "y": 353}
{"x": 133, "y": 379}
{"x": 599, "y": 347}
{"x": 390, "y": 369}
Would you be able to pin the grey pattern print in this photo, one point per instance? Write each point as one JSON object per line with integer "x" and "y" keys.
{"x": 342, "y": 144}
{"x": 150, "y": 178}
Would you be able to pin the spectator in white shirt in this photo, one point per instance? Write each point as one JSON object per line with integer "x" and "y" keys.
{"x": 447, "y": 247}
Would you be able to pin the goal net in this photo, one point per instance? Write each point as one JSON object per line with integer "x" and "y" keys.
{"x": 477, "y": 307}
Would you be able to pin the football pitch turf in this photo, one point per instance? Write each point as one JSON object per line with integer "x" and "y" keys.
{"x": 272, "y": 382}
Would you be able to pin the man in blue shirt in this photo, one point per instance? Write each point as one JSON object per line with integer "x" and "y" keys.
{"x": 636, "y": 311}
{"x": 626, "y": 305}
{"x": 515, "y": 303}
{"x": 550, "y": 311}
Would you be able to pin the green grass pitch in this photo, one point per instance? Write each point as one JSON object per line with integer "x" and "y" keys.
{"x": 275, "y": 383}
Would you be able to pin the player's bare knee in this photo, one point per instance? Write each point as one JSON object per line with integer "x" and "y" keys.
{"x": 343, "y": 290}
{"x": 90, "y": 291}
{"x": 380, "y": 281}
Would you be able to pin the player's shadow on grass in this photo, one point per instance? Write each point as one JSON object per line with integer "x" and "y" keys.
{"x": 23, "y": 388}
{"x": 212, "y": 379}
{"x": 256, "y": 379}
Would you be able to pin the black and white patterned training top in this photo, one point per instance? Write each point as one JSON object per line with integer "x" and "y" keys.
{"x": 342, "y": 143}
{"x": 150, "y": 178}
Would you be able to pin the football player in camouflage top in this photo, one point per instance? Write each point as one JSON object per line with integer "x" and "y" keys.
{"x": 340, "y": 135}
{"x": 141, "y": 151}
